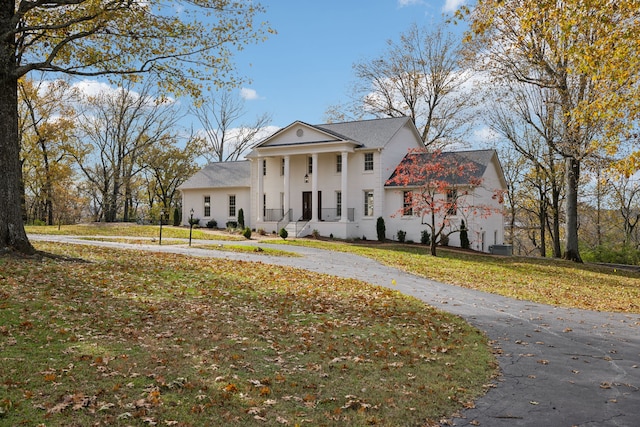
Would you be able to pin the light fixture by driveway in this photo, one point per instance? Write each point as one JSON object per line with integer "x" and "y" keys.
{"x": 190, "y": 226}
{"x": 161, "y": 219}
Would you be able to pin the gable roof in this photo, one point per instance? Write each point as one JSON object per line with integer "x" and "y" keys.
{"x": 480, "y": 159}
{"x": 374, "y": 133}
{"x": 371, "y": 134}
{"x": 220, "y": 175}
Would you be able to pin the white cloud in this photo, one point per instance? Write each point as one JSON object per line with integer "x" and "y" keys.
{"x": 485, "y": 134}
{"x": 249, "y": 94}
{"x": 93, "y": 87}
{"x": 451, "y": 5}
{"x": 403, "y": 3}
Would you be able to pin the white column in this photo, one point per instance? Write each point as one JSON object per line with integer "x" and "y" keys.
{"x": 287, "y": 181}
{"x": 344, "y": 214}
{"x": 314, "y": 187}
{"x": 260, "y": 189}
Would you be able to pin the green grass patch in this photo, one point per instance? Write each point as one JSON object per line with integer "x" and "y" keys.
{"x": 115, "y": 337}
{"x": 543, "y": 280}
{"x": 133, "y": 230}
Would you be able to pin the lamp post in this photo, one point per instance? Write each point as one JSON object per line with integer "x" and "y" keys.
{"x": 190, "y": 226}
{"x": 161, "y": 219}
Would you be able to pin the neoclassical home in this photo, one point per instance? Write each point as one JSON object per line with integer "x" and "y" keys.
{"x": 333, "y": 179}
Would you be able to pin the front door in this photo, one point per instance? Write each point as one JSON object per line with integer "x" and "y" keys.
{"x": 306, "y": 206}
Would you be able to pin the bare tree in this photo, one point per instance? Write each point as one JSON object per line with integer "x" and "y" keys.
{"x": 226, "y": 138}
{"x": 421, "y": 77}
{"x": 528, "y": 118}
{"x": 116, "y": 130}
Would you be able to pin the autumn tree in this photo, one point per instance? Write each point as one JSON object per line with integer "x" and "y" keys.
{"x": 420, "y": 76}
{"x": 226, "y": 137}
{"x": 166, "y": 167}
{"x": 185, "y": 42}
{"x": 46, "y": 123}
{"x": 585, "y": 54}
{"x": 436, "y": 186}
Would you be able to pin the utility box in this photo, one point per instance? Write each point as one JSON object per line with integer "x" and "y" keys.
{"x": 501, "y": 249}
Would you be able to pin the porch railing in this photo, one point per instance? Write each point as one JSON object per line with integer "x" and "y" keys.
{"x": 333, "y": 215}
{"x": 284, "y": 221}
{"x": 271, "y": 215}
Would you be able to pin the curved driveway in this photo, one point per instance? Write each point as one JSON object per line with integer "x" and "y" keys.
{"x": 559, "y": 367}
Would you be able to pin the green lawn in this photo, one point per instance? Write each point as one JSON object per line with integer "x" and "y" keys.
{"x": 125, "y": 337}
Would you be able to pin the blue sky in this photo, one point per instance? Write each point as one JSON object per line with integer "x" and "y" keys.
{"x": 307, "y": 66}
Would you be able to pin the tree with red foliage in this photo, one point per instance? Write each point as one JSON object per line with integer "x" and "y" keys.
{"x": 438, "y": 184}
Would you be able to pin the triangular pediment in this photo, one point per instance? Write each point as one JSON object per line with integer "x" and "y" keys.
{"x": 300, "y": 133}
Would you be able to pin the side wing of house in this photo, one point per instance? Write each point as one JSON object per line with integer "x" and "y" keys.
{"x": 217, "y": 193}
{"x": 480, "y": 206}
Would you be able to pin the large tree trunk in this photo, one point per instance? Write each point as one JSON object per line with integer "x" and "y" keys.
{"x": 12, "y": 234}
{"x": 542, "y": 218}
{"x": 572, "y": 175}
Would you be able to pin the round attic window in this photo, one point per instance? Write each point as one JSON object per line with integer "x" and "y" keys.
{"x": 299, "y": 132}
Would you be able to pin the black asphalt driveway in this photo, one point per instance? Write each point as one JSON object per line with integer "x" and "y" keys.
{"x": 559, "y": 367}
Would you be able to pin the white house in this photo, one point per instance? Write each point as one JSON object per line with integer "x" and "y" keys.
{"x": 333, "y": 178}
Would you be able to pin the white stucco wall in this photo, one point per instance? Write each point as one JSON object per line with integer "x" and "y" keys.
{"x": 194, "y": 199}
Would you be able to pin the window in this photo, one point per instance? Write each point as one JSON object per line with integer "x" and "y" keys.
{"x": 339, "y": 163}
{"x": 264, "y": 205}
{"x": 264, "y": 167}
{"x": 339, "y": 203}
{"x": 452, "y": 198}
{"x": 368, "y": 161}
{"x": 207, "y": 206}
{"x": 407, "y": 203}
{"x": 232, "y": 205}
{"x": 310, "y": 162}
{"x": 282, "y": 168}
{"x": 368, "y": 203}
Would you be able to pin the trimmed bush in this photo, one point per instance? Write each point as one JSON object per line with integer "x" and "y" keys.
{"x": 425, "y": 237}
{"x": 177, "y": 217}
{"x": 401, "y": 236}
{"x": 464, "y": 236}
{"x": 381, "y": 229}
{"x": 241, "y": 218}
{"x": 211, "y": 224}
{"x": 232, "y": 225}
{"x": 283, "y": 233}
{"x": 246, "y": 233}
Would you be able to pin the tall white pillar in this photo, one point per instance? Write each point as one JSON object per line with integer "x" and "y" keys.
{"x": 314, "y": 187}
{"x": 286, "y": 188}
{"x": 260, "y": 190}
{"x": 344, "y": 214}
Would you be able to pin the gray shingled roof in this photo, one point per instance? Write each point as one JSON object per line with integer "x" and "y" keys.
{"x": 374, "y": 133}
{"x": 479, "y": 158}
{"x": 221, "y": 175}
